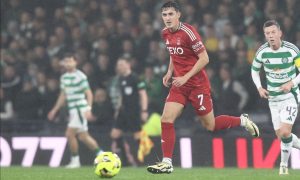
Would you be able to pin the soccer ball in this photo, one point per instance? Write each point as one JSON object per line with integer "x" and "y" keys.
{"x": 107, "y": 165}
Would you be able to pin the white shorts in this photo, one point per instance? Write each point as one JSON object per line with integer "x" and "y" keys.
{"x": 77, "y": 120}
{"x": 283, "y": 112}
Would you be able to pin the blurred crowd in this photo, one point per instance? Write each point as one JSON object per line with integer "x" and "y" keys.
{"x": 36, "y": 34}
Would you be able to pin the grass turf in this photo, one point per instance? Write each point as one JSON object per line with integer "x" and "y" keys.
{"x": 46, "y": 173}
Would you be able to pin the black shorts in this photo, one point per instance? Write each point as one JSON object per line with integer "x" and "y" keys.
{"x": 128, "y": 121}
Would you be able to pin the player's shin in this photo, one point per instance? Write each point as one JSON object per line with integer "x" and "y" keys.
{"x": 286, "y": 147}
{"x": 226, "y": 122}
{"x": 167, "y": 141}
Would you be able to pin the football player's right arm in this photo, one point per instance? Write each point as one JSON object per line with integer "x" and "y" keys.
{"x": 59, "y": 103}
{"x": 167, "y": 77}
{"x": 255, "y": 69}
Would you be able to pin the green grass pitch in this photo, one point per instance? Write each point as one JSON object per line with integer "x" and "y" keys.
{"x": 86, "y": 173}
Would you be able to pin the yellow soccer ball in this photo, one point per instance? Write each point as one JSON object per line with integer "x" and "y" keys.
{"x": 107, "y": 165}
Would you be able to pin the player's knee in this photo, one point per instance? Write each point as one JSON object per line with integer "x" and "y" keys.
{"x": 70, "y": 134}
{"x": 277, "y": 132}
{"x": 208, "y": 126}
{"x": 82, "y": 137}
{"x": 285, "y": 133}
{"x": 167, "y": 119}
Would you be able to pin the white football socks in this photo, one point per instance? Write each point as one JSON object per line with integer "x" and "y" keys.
{"x": 243, "y": 121}
{"x": 75, "y": 158}
{"x": 286, "y": 148}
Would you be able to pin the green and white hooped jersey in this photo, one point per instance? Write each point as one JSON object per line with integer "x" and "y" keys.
{"x": 74, "y": 85}
{"x": 280, "y": 67}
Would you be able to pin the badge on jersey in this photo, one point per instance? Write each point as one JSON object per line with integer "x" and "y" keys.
{"x": 178, "y": 42}
{"x": 284, "y": 60}
{"x": 128, "y": 90}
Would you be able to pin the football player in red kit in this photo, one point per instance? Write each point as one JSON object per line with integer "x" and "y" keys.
{"x": 188, "y": 83}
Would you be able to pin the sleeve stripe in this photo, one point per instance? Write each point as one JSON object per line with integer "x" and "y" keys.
{"x": 141, "y": 85}
{"x": 262, "y": 47}
{"x": 258, "y": 61}
{"x": 292, "y": 46}
{"x": 189, "y": 32}
{"x": 255, "y": 68}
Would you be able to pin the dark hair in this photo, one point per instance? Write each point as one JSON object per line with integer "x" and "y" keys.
{"x": 271, "y": 23}
{"x": 69, "y": 55}
{"x": 171, "y": 4}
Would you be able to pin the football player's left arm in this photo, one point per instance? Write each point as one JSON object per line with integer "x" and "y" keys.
{"x": 89, "y": 97}
{"x": 295, "y": 81}
{"x": 59, "y": 103}
{"x": 143, "y": 104}
{"x": 202, "y": 61}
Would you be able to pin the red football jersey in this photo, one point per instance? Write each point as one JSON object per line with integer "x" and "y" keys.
{"x": 184, "y": 45}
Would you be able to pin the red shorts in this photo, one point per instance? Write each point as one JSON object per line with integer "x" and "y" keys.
{"x": 199, "y": 97}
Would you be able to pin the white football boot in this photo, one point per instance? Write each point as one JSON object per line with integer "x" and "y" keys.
{"x": 160, "y": 168}
{"x": 249, "y": 125}
{"x": 283, "y": 169}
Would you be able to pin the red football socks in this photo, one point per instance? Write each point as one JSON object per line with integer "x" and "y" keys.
{"x": 168, "y": 132}
{"x": 226, "y": 122}
{"x": 167, "y": 139}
